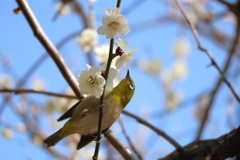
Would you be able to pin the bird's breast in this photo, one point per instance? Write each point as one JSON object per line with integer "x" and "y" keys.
{"x": 89, "y": 123}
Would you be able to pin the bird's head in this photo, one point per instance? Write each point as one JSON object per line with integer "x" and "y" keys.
{"x": 125, "y": 89}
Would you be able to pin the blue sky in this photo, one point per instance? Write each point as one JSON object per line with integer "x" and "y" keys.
{"x": 17, "y": 42}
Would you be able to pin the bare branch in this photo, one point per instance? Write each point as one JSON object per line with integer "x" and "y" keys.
{"x": 188, "y": 147}
{"x": 117, "y": 144}
{"x": 221, "y": 148}
{"x": 25, "y": 91}
{"x": 128, "y": 139}
{"x": 213, "y": 62}
{"x": 51, "y": 49}
{"x": 158, "y": 131}
{"x": 219, "y": 82}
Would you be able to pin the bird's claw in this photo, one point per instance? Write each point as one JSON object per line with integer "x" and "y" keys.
{"x": 102, "y": 106}
{"x": 100, "y": 140}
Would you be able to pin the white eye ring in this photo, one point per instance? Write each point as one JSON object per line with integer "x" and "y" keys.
{"x": 131, "y": 86}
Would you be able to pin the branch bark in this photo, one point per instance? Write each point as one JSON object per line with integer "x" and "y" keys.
{"x": 25, "y": 91}
{"x": 117, "y": 144}
{"x": 218, "y": 149}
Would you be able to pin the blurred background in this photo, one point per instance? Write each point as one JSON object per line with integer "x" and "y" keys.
{"x": 177, "y": 88}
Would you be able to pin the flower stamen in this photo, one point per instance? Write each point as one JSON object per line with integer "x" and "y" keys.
{"x": 92, "y": 81}
{"x": 113, "y": 26}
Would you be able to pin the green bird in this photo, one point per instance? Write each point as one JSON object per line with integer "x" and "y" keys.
{"x": 84, "y": 114}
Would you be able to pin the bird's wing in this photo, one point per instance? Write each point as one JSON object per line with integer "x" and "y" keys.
{"x": 86, "y": 139}
{"x": 69, "y": 112}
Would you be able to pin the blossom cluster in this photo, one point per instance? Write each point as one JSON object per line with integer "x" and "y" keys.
{"x": 92, "y": 81}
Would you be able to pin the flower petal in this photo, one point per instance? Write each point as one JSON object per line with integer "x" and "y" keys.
{"x": 102, "y": 30}
{"x": 94, "y": 70}
{"x": 111, "y": 34}
{"x": 125, "y": 30}
{"x": 109, "y": 85}
{"x": 88, "y": 66}
{"x": 103, "y": 67}
{"x": 83, "y": 74}
{"x": 112, "y": 73}
{"x": 106, "y": 20}
{"x": 121, "y": 19}
{"x": 108, "y": 11}
{"x": 118, "y": 63}
{"x": 101, "y": 81}
{"x": 97, "y": 91}
{"x": 85, "y": 88}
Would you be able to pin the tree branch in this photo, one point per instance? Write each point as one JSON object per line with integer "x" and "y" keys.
{"x": 129, "y": 140}
{"x": 219, "y": 82}
{"x": 50, "y": 48}
{"x": 25, "y": 91}
{"x": 221, "y": 148}
{"x": 213, "y": 62}
{"x": 117, "y": 144}
{"x": 158, "y": 131}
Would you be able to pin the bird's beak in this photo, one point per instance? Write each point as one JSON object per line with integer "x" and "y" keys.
{"x": 128, "y": 75}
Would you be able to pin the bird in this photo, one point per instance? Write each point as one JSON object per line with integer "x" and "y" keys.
{"x": 84, "y": 114}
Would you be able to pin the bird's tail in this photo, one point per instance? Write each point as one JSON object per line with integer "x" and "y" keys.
{"x": 53, "y": 139}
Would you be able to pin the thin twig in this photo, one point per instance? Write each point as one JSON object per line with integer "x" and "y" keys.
{"x": 219, "y": 82}
{"x": 92, "y": 16}
{"x": 226, "y": 66}
{"x": 213, "y": 62}
{"x": 118, "y": 145}
{"x": 128, "y": 139}
{"x": 158, "y": 131}
{"x": 26, "y": 91}
{"x": 101, "y": 114}
{"x": 47, "y": 44}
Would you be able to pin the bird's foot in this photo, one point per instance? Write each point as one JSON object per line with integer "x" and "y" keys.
{"x": 100, "y": 140}
{"x": 102, "y": 106}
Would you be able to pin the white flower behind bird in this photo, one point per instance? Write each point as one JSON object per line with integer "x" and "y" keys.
{"x": 91, "y": 81}
{"x": 111, "y": 76}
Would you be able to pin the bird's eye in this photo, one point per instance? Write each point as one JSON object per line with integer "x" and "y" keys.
{"x": 131, "y": 86}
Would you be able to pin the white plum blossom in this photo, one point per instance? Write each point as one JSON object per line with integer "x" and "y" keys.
{"x": 181, "y": 47}
{"x": 113, "y": 24}
{"x": 102, "y": 53}
{"x": 180, "y": 69}
{"x": 63, "y": 9}
{"x": 91, "y": 81}
{"x": 87, "y": 39}
{"x": 6, "y": 81}
{"x": 21, "y": 127}
{"x": 38, "y": 84}
{"x": 173, "y": 100}
{"x": 152, "y": 66}
{"x": 111, "y": 76}
{"x": 8, "y": 133}
{"x": 124, "y": 56}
